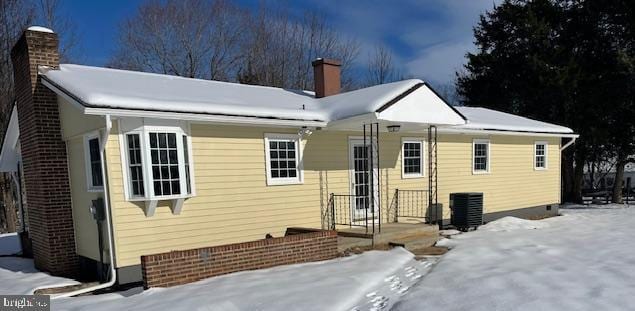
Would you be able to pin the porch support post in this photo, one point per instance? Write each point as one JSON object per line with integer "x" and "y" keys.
{"x": 366, "y": 203}
{"x": 371, "y": 178}
{"x": 378, "y": 180}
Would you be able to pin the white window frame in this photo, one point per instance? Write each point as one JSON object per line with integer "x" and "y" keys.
{"x": 143, "y": 128}
{"x": 89, "y": 172}
{"x": 299, "y": 179}
{"x": 125, "y": 152}
{"x": 422, "y": 169}
{"x": 478, "y": 141}
{"x": 536, "y": 143}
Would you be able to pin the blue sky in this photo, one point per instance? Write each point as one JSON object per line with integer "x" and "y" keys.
{"x": 428, "y": 38}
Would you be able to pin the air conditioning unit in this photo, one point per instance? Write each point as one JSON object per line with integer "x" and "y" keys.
{"x": 467, "y": 210}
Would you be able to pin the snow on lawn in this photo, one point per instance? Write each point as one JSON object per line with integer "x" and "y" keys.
{"x": 584, "y": 260}
{"x": 18, "y": 275}
{"x": 373, "y": 279}
{"x": 9, "y": 244}
{"x": 512, "y": 223}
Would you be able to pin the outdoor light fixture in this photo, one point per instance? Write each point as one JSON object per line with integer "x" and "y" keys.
{"x": 393, "y": 128}
{"x": 304, "y": 131}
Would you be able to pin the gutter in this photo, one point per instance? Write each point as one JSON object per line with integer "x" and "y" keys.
{"x": 445, "y": 130}
{"x": 111, "y": 244}
{"x": 568, "y": 143}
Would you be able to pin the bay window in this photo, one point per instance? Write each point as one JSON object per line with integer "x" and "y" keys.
{"x": 158, "y": 162}
{"x": 137, "y": 188}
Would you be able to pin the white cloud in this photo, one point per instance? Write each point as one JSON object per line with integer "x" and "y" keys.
{"x": 439, "y": 62}
{"x": 433, "y": 35}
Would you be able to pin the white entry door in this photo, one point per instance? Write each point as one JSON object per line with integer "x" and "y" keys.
{"x": 360, "y": 182}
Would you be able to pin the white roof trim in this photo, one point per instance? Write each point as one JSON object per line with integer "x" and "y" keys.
{"x": 448, "y": 130}
{"x": 9, "y": 156}
{"x": 202, "y": 117}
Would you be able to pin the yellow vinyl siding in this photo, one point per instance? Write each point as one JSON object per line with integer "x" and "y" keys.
{"x": 86, "y": 240}
{"x": 512, "y": 182}
{"x": 233, "y": 202}
{"x": 74, "y": 125}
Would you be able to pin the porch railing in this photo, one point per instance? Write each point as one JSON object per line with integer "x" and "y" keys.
{"x": 411, "y": 203}
{"x": 351, "y": 210}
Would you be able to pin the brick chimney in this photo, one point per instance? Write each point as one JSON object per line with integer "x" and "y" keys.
{"x": 44, "y": 158}
{"x": 326, "y": 74}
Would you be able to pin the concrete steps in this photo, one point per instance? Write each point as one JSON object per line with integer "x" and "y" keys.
{"x": 410, "y": 236}
{"x": 416, "y": 242}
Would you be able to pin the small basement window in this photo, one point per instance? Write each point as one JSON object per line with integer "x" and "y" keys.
{"x": 412, "y": 160}
{"x": 282, "y": 153}
{"x": 540, "y": 155}
{"x": 480, "y": 156}
{"x": 94, "y": 177}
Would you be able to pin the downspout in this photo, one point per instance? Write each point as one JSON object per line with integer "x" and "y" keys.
{"x": 111, "y": 244}
{"x": 568, "y": 144}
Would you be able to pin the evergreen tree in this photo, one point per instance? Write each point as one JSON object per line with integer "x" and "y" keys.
{"x": 558, "y": 61}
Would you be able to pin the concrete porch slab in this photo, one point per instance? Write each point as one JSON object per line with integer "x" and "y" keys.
{"x": 409, "y": 235}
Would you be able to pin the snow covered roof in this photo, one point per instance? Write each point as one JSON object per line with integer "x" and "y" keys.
{"x": 123, "y": 89}
{"x": 96, "y": 87}
{"x": 487, "y": 119}
{"x": 407, "y": 101}
{"x": 411, "y": 101}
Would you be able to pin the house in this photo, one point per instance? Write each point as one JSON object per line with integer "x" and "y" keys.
{"x": 604, "y": 176}
{"x": 182, "y": 164}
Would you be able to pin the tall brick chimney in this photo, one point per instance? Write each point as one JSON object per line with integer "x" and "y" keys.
{"x": 326, "y": 74}
{"x": 44, "y": 158}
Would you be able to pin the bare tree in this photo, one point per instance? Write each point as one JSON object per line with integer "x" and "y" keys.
{"x": 49, "y": 15}
{"x": 279, "y": 49}
{"x": 381, "y": 68}
{"x": 448, "y": 92}
{"x": 15, "y": 16}
{"x": 190, "y": 38}
{"x": 214, "y": 39}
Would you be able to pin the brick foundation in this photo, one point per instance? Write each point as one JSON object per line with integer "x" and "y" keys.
{"x": 181, "y": 267}
{"x": 44, "y": 160}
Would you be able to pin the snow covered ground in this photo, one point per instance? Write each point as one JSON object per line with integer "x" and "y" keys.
{"x": 9, "y": 244}
{"x": 584, "y": 260}
{"x": 373, "y": 280}
{"x": 18, "y": 275}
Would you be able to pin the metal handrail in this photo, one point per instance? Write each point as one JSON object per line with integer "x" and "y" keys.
{"x": 411, "y": 203}
{"x": 342, "y": 211}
